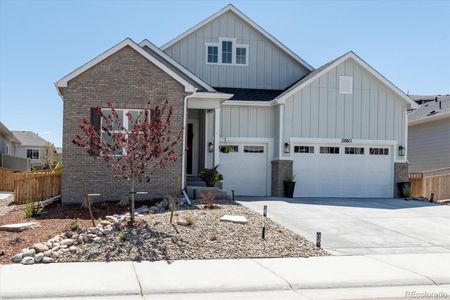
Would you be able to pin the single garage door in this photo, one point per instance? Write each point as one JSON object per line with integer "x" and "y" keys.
{"x": 244, "y": 168}
{"x": 343, "y": 171}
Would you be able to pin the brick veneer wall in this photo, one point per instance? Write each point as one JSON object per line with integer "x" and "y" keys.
{"x": 281, "y": 169}
{"x": 400, "y": 175}
{"x": 127, "y": 80}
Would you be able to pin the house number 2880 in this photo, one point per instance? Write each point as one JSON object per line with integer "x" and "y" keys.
{"x": 346, "y": 141}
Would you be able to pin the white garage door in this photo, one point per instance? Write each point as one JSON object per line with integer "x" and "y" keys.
{"x": 244, "y": 168}
{"x": 343, "y": 171}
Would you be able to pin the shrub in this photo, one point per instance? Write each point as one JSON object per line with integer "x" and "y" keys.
{"x": 74, "y": 223}
{"x": 189, "y": 219}
{"x": 406, "y": 190}
{"x": 31, "y": 209}
{"x": 208, "y": 199}
{"x": 122, "y": 237}
{"x": 211, "y": 176}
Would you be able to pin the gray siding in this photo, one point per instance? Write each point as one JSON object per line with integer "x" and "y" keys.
{"x": 247, "y": 121}
{"x": 269, "y": 67}
{"x": 371, "y": 112}
{"x": 429, "y": 145}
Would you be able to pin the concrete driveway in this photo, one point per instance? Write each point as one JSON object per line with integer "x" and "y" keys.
{"x": 362, "y": 226}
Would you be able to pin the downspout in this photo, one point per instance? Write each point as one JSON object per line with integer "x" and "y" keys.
{"x": 183, "y": 160}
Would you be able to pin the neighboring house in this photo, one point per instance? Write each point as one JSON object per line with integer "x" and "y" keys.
{"x": 429, "y": 134}
{"x": 34, "y": 147}
{"x": 340, "y": 128}
{"x": 58, "y": 154}
{"x": 8, "y": 145}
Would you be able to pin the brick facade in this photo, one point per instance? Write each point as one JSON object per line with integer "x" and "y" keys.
{"x": 281, "y": 169}
{"x": 127, "y": 80}
{"x": 400, "y": 175}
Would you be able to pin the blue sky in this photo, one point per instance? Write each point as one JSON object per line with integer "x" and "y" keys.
{"x": 41, "y": 41}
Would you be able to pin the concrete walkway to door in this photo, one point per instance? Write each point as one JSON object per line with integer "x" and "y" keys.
{"x": 362, "y": 226}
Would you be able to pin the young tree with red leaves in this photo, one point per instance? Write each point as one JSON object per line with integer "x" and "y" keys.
{"x": 134, "y": 152}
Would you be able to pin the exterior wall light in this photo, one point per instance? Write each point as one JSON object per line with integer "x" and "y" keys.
{"x": 211, "y": 147}
{"x": 287, "y": 148}
{"x": 401, "y": 151}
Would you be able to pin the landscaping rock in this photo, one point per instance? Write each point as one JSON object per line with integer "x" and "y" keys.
{"x": 55, "y": 255}
{"x": 28, "y": 260}
{"x": 183, "y": 222}
{"x": 73, "y": 249}
{"x": 62, "y": 247}
{"x": 28, "y": 252}
{"x": 105, "y": 223}
{"x": 19, "y": 226}
{"x": 48, "y": 253}
{"x": 111, "y": 219}
{"x": 107, "y": 230}
{"x": 47, "y": 260}
{"x": 40, "y": 247}
{"x": 92, "y": 229}
{"x": 38, "y": 257}
{"x": 68, "y": 234}
{"x": 17, "y": 258}
{"x": 234, "y": 219}
{"x": 56, "y": 248}
{"x": 67, "y": 242}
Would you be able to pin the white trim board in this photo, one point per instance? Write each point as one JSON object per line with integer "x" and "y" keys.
{"x": 63, "y": 82}
{"x": 176, "y": 64}
{"x": 258, "y": 28}
{"x": 282, "y": 98}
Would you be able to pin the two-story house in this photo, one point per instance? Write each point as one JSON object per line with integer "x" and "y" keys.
{"x": 8, "y": 148}
{"x": 341, "y": 128}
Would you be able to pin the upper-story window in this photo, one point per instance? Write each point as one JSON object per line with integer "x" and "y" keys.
{"x": 33, "y": 153}
{"x": 213, "y": 54}
{"x": 227, "y": 52}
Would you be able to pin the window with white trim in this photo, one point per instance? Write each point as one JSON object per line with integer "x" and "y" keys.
{"x": 379, "y": 151}
{"x": 213, "y": 54}
{"x": 33, "y": 153}
{"x": 329, "y": 150}
{"x": 354, "y": 150}
{"x": 227, "y": 52}
{"x": 304, "y": 149}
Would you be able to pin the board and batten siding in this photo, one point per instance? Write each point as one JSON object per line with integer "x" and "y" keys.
{"x": 371, "y": 112}
{"x": 429, "y": 145}
{"x": 247, "y": 121}
{"x": 269, "y": 67}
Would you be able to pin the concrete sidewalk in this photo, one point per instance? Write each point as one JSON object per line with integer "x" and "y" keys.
{"x": 285, "y": 278}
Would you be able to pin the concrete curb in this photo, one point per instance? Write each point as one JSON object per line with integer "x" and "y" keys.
{"x": 283, "y": 275}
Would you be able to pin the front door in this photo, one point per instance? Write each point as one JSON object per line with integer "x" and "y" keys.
{"x": 192, "y": 147}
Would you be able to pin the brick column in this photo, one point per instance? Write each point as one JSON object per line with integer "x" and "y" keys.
{"x": 400, "y": 175}
{"x": 281, "y": 169}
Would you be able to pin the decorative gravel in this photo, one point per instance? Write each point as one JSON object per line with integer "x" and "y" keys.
{"x": 205, "y": 238}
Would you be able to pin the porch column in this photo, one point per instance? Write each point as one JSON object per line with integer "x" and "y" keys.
{"x": 216, "y": 135}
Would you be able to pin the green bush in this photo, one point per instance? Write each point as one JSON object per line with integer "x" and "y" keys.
{"x": 74, "y": 223}
{"x": 31, "y": 209}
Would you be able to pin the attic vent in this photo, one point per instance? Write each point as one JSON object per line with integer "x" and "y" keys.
{"x": 345, "y": 84}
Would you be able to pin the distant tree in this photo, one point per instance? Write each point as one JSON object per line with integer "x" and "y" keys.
{"x": 48, "y": 157}
{"x": 133, "y": 153}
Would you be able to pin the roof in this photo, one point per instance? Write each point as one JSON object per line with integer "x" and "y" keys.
{"x": 426, "y": 98}
{"x": 29, "y": 138}
{"x": 4, "y": 131}
{"x": 250, "y": 94}
{"x": 127, "y": 42}
{"x": 335, "y": 62}
{"x": 175, "y": 66}
{"x": 240, "y": 14}
{"x": 432, "y": 110}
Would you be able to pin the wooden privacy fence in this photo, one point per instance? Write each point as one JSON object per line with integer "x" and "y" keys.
{"x": 7, "y": 180}
{"x": 36, "y": 185}
{"x": 423, "y": 184}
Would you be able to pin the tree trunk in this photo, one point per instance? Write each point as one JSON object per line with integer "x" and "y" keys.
{"x": 132, "y": 202}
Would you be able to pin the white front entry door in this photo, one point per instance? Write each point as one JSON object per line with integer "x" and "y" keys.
{"x": 245, "y": 168}
{"x": 336, "y": 170}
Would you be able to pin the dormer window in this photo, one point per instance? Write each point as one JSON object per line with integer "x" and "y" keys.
{"x": 227, "y": 52}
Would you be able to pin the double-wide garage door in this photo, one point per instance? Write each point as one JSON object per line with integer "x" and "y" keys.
{"x": 245, "y": 168}
{"x": 342, "y": 170}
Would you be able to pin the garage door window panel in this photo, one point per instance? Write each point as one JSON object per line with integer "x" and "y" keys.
{"x": 379, "y": 151}
{"x": 329, "y": 150}
{"x": 229, "y": 149}
{"x": 354, "y": 150}
{"x": 303, "y": 149}
{"x": 253, "y": 149}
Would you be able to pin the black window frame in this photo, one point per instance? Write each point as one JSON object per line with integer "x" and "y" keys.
{"x": 212, "y": 55}
{"x": 304, "y": 149}
{"x": 329, "y": 150}
{"x": 354, "y": 150}
{"x": 378, "y": 151}
{"x": 253, "y": 149}
{"x": 227, "y": 54}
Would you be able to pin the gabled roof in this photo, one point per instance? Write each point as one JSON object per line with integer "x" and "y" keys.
{"x": 334, "y": 63}
{"x": 175, "y": 66}
{"x": 4, "y": 131}
{"x": 249, "y": 21}
{"x": 432, "y": 110}
{"x": 127, "y": 42}
{"x": 29, "y": 138}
